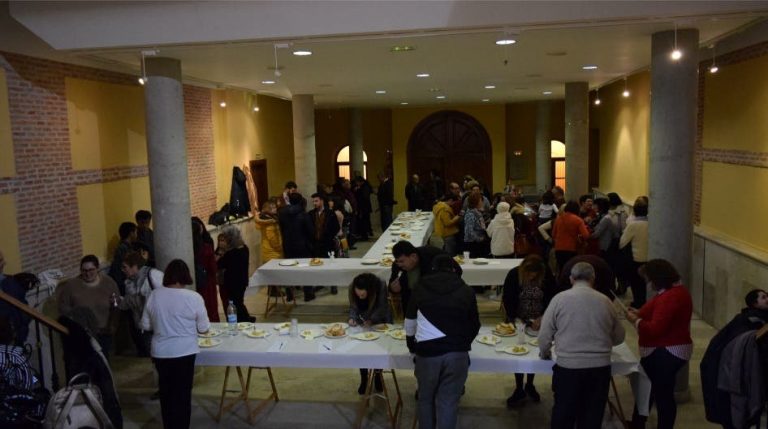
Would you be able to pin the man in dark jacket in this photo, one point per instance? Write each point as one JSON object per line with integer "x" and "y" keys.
{"x": 325, "y": 226}
{"x": 362, "y": 192}
{"x": 296, "y": 229}
{"x": 128, "y": 234}
{"x": 411, "y": 264}
{"x": 414, "y": 193}
{"x": 386, "y": 198}
{"x": 440, "y": 323}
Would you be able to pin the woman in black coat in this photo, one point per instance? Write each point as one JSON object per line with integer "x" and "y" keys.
{"x": 528, "y": 289}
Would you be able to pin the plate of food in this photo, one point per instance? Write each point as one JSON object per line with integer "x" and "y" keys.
{"x": 288, "y": 263}
{"x": 283, "y": 325}
{"x": 210, "y": 334}
{"x": 480, "y": 261}
{"x": 534, "y": 342}
{"x": 416, "y": 228}
{"x": 257, "y": 333}
{"x": 383, "y": 327}
{"x": 369, "y": 261}
{"x": 329, "y": 325}
{"x": 389, "y": 246}
{"x": 208, "y": 342}
{"x": 459, "y": 260}
{"x": 505, "y": 330}
{"x": 315, "y": 262}
{"x": 490, "y": 340}
{"x": 386, "y": 262}
{"x": 335, "y": 331}
{"x": 309, "y": 334}
{"x": 405, "y": 236}
{"x": 515, "y": 350}
{"x": 242, "y": 326}
{"x": 366, "y": 336}
{"x": 398, "y": 334}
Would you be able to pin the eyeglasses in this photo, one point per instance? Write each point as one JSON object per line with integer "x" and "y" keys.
{"x": 88, "y": 270}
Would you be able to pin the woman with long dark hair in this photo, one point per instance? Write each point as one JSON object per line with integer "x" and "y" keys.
{"x": 233, "y": 261}
{"x": 368, "y": 306}
{"x": 205, "y": 268}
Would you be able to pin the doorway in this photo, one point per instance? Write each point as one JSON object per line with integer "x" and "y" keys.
{"x": 259, "y": 174}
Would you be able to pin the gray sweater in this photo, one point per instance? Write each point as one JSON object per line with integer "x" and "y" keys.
{"x": 583, "y": 324}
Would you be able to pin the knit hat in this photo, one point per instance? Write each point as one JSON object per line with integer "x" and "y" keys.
{"x": 502, "y": 207}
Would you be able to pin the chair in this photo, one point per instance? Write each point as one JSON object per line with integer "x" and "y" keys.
{"x": 275, "y": 294}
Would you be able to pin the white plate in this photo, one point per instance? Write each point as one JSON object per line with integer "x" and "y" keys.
{"x": 534, "y": 342}
{"x": 384, "y": 327}
{"x": 500, "y": 334}
{"x": 366, "y": 336}
{"x": 395, "y": 232}
{"x": 309, "y": 334}
{"x": 398, "y": 334}
{"x": 288, "y": 262}
{"x": 210, "y": 334}
{"x": 335, "y": 338}
{"x": 389, "y": 246}
{"x": 416, "y": 228}
{"x": 208, "y": 342}
{"x": 244, "y": 325}
{"x": 480, "y": 261}
{"x": 257, "y": 333}
{"x": 511, "y": 350}
{"x": 284, "y": 325}
{"x": 490, "y": 340}
{"x": 369, "y": 261}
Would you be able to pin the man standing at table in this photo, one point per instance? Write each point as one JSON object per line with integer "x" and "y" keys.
{"x": 386, "y": 198}
{"x": 411, "y": 264}
{"x": 583, "y": 323}
{"x": 440, "y": 323}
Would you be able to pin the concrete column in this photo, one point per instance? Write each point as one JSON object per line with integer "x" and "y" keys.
{"x": 543, "y": 147}
{"x": 576, "y": 139}
{"x": 167, "y": 152}
{"x": 356, "y": 140}
{"x": 304, "y": 158}
{"x": 674, "y": 91}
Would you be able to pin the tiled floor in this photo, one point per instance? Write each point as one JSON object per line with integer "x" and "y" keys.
{"x": 314, "y": 398}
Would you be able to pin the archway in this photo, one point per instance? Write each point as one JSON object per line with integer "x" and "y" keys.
{"x": 452, "y": 143}
{"x": 343, "y": 166}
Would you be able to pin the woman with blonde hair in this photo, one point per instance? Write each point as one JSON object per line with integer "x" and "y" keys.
{"x": 232, "y": 262}
{"x": 528, "y": 289}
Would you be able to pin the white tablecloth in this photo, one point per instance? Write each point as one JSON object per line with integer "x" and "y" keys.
{"x": 384, "y": 353}
{"x": 341, "y": 271}
{"x": 420, "y": 228}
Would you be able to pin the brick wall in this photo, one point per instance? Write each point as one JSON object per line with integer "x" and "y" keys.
{"x": 726, "y": 156}
{"x": 44, "y": 187}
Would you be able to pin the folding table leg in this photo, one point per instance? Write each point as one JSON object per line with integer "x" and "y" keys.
{"x": 242, "y": 395}
{"x": 616, "y": 408}
{"x": 253, "y": 413}
{"x": 365, "y": 401}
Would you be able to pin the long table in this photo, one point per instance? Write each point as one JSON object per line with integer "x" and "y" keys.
{"x": 418, "y": 226}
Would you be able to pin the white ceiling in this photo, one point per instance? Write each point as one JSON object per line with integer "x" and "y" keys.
{"x": 346, "y": 70}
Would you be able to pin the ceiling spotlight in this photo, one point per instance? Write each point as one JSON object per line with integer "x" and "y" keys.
{"x": 597, "y": 97}
{"x": 506, "y": 41}
{"x": 713, "y": 68}
{"x": 223, "y": 104}
{"x": 440, "y": 97}
{"x": 302, "y": 53}
{"x": 547, "y": 92}
{"x": 142, "y": 80}
{"x": 625, "y": 93}
{"x": 490, "y": 87}
{"x": 255, "y": 108}
{"x": 381, "y": 91}
{"x": 403, "y": 48}
{"x": 597, "y": 101}
{"x": 589, "y": 67}
{"x": 268, "y": 82}
{"x": 404, "y": 103}
{"x": 485, "y": 100}
{"x": 676, "y": 54}
{"x": 422, "y": 75}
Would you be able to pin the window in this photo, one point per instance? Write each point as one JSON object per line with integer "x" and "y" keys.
{"x": 557, "y": 153}
{"x": 343, "y": 167}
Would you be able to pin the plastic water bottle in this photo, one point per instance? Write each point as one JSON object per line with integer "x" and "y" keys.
{"x": 232, "y": 318}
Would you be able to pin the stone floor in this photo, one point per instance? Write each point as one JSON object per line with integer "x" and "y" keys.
{"x": 317, "y": 398}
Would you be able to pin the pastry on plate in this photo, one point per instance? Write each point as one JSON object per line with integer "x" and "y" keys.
{"x": 315, "y": 262}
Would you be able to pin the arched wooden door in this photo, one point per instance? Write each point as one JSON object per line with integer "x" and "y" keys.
{"x": 454, "y": 144}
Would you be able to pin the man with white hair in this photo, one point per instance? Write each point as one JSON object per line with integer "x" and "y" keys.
{"x": 583, "y": 323}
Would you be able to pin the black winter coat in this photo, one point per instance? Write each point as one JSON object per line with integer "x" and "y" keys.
{"x": 238, "y": 196}
{"x": 426, "y": 254}
{"x": 296, "y": 229}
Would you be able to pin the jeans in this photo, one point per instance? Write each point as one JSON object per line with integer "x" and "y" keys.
{"x": 175, "y": 377}
{"x": 440, "y": 381}
{"x": 662, "y": 367}
{"x": 386, "y": 217}
{"x": 580, "y": 397}
{"x": 449, "y": 245}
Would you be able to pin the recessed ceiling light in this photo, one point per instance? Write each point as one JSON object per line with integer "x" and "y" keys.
{"x": 402, "y": 48}
{"x": 381, "y": 91}
{"x": 422, "y": 75}
{"x": 589, "y": 67}
{"x": 547, "y": 92}
{"x": 268, "y": 82}
{"x": 440, "y": 97}
{"x": 490, "y": 87}
{"x": 302, "y": 53}
{"x": 506, "y": 42}
{"x": 485, "y": 100}
{"x": 404, "y": 103}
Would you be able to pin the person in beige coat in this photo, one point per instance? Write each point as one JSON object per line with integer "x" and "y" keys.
{"x": 502, "y": 232}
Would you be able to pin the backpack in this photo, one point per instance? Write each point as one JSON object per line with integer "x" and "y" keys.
{"x": 220, "y": 217}
{"x": 77, "y": 405}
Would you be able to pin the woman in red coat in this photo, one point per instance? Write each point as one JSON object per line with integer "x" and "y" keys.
{"x": 205, "y": 267}
{"x": 664, "y": 333}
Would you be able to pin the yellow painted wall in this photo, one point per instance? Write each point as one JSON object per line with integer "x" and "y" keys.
{"x": 242, "y": 135}
{"x": 735, "y": 106}
{"x": 106, "y": 124}
{"x": 492, "y": 117}
{"x": 7, "y": 165}
{"x": 103, "y": 207}
{"x": 624, "y": 125}
{"x": 9, "y": 237}
{"x": 332, "y": 134}
{"x": 740, "y": 214}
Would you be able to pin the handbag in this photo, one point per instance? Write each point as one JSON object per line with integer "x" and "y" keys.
{"x": 21, "y": 406}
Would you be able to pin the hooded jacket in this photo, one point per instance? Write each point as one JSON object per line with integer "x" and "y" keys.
{"x": 271, "y": 239}
{"x": 296, "y": 229}
{"x": 446, "y": 222}
{"x": 502, "y": 233}
{"x": 442, "y": 316}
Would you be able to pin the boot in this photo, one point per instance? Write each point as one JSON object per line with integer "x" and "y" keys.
{"x": 378, "y": 381}
{"x": 530, "y": 390}
{"x": 363, "y": 381}
{"x": 517, "y": 397}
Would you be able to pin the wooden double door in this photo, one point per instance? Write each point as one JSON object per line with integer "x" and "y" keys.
{"x": 454, "y": 144}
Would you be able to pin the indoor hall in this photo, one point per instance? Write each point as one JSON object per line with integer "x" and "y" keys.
{"x": 512, "y": 93}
